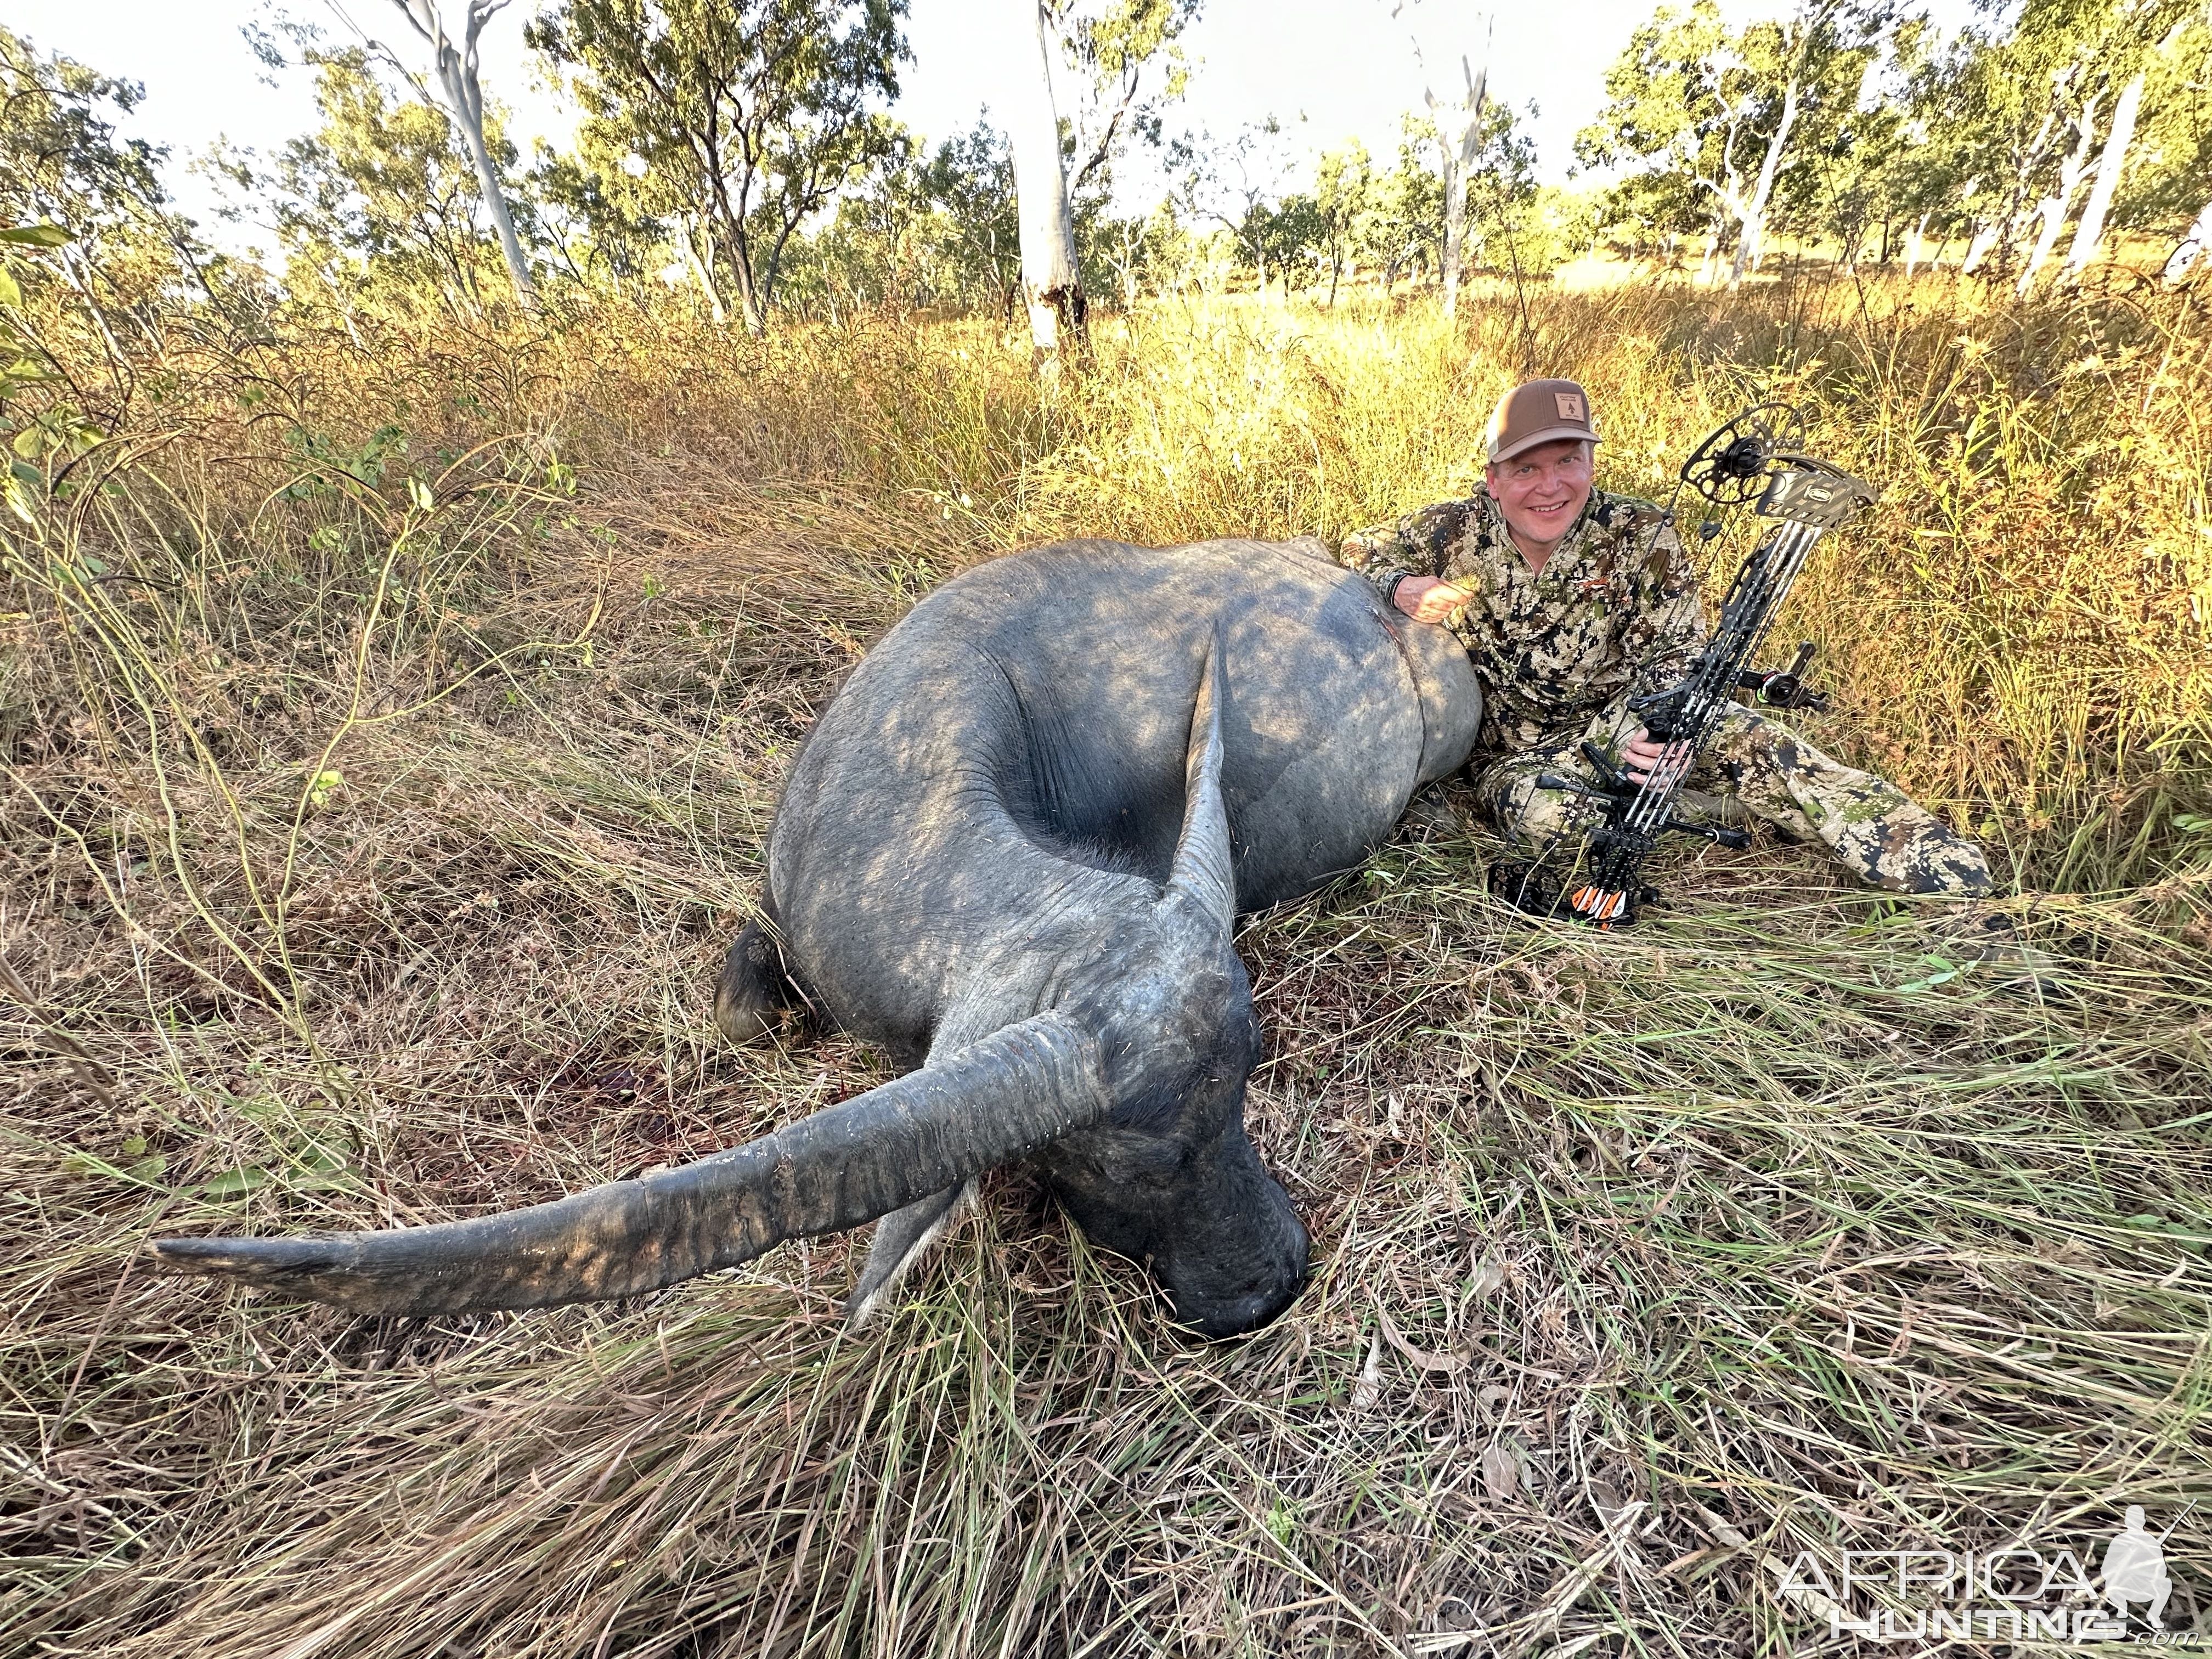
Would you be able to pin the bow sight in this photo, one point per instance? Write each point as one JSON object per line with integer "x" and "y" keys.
{"x": 1755, "y": 458}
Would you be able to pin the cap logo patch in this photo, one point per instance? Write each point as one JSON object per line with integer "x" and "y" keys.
{"x": 1570, "y": 406}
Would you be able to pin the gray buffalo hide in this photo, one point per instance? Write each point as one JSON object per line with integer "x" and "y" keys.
{"x": 1012, "y": 852}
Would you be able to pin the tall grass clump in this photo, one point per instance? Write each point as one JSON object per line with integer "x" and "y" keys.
{"x": 392, "y": 715}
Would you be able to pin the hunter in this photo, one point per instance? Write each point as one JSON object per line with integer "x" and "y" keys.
{"x": 1570, "y": 600}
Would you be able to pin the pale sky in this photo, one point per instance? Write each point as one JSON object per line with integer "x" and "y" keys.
{"x": 1327, "y": 69}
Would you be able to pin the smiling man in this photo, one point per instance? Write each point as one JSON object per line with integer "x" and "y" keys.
{"x": 1571, "y": 600}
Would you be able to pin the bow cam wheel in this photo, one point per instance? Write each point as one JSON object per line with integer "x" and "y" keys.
{"x": 1729, "y": 468}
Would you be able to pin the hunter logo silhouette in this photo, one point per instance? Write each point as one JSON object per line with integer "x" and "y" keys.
{"x": 2134, "y": 1570}
{"x": 1570, "y": 405}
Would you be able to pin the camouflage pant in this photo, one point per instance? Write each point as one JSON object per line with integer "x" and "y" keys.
{"x": 1763, "y": 769}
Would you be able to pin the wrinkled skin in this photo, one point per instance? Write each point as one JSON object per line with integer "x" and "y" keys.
{"x": 981, "y": 825}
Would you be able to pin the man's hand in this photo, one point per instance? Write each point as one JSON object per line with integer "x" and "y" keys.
{"x": 1643, "y": 753}
{"x": 1426, "y": 600}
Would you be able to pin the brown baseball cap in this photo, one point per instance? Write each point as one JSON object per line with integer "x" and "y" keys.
{"x": 1536, "y": 414}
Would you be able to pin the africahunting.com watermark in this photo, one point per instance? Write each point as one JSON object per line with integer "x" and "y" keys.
{"x": 2016, "y": 1593}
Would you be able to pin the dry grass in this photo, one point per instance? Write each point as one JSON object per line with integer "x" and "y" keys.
{"x": 1641, "y": 1259}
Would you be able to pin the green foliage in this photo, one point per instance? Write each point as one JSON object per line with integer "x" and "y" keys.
{"x": 971, "y": 178}
{"x": 1354, "y": 215}
{"x": 60, "y": 159}
{"x": 913, "y": 232}
{"x": 1404, "y": 229}
{"x": 1392, "y": 221}
{"x": 1702, "y": 105}
{"x": 86, "y": 241}
{"x": 598, "y": 225}
{"x": 382, "y": 199}
{"x": 2170, "y": 177}
{"x": 745, "y": 118}
{"x": 1984, "y": 137}
{"x": 1110, "y": 44}
{"x": 92, "y": 241}
{"x": 1998, "y": 114}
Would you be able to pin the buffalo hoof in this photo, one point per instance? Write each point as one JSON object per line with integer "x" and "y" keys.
{"x": 746, "y": 1005}
{"x": 741, "y": 1025}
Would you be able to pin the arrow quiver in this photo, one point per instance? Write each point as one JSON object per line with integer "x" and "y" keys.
{"x": 1753, "y": 458}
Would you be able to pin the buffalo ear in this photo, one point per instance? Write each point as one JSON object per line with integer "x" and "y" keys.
{"x": 1204, "y": 873}
{"x": 902, "y": 1238}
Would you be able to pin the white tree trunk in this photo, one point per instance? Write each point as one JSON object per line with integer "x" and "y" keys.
{"x": 1915, "y": 244}
{"x": 2194, "y": 246}
{"x": 1050, "y": 283}
{"x": 457, "y": 79}
{"x": 687, "y": 232}
{"x": 1459, "y": 161}
{"x": 1979, "y": 247}
{"x": 2089, "y": 234}
{"x": 2051, "y": 212}
{"x": 1748, "y": 244}
{"x": 1454, "y": 221}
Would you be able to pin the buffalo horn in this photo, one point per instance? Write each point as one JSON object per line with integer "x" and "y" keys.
{"x": 1203, "y": 869}
{"x": 847, "y": 1164}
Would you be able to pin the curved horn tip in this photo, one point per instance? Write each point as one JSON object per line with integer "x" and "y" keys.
{"x": 1204, "y": 868}
{"x": 325, "y": 1270}
{"x": 256, "y": 1260}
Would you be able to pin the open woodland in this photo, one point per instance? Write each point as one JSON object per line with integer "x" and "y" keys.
{"x": 393, "y": 698}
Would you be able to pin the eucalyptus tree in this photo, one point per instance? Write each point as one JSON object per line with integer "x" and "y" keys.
{"x": 83, "y": 216}
{"x": 751, "y": 115}
{"x": 1127, "y": 67}
{"x": 1457, "y": 118}
{"x": 1732, "y": 113}
{"x": 380, "y": 195}
{"x": 1404, "y": 225}
{"x": 2166, "y": 189}
{"x": 61, "y": 158}
{"x": 1239, "y": 187}
{"x": 462, "y": 92}
{"x": 1052, "y": 281}
{"x": 1345, "y": 199}
{"x": 2073, "y": 113}
{"x": 1669, "y": 105}
{"x": 2087, "y": 115}
{"x": 1919, "y": 161}
{"x": 2089, "y": 234}
{"x": 2038, "y": 112}
{"x": 64, "y": 162}
{"x": 1463, "y": 118}
{"x": 2155, "y": 168}
{"x": 1124, "y": 63}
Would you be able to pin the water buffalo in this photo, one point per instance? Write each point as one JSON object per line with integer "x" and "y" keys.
{"x": 1012, "y": 853}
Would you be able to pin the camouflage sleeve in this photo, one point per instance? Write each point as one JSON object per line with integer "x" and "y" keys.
{"x": 1415, "y": 545}
{"x": 1666, "y": 626}
{"x": 1381, "y": 554}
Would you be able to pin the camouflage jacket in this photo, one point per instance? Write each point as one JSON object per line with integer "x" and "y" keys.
{"x": 1605, "y": 617}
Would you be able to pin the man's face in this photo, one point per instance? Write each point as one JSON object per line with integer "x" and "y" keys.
{"x": 1541, "y": 490}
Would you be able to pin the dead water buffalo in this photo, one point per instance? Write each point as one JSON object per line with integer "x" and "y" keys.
{"x": 1010, "y": 853}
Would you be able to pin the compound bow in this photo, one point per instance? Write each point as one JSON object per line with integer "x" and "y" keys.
{"x": 1753, "y": 457}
